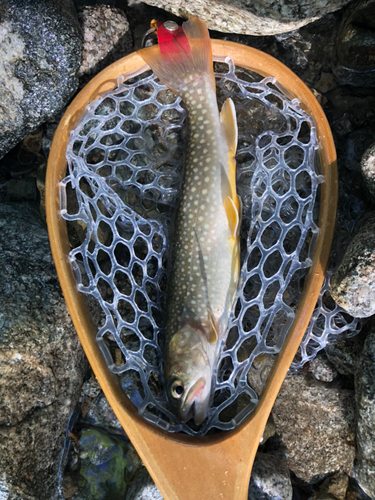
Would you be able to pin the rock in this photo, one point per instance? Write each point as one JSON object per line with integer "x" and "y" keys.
{"x": 334, "y": 487}
{"x": 353, "y": 284}
{"x": 143, "y": 488}
{"x": 251, "y": 18}
{"x": 106, "y": 37}
{"x": 355, "y": 45}
{"x": 41, "y": 50}
{"x": 344, "y": 354}
{"x": 368, "y": 168}
{"x": 365, "y": 399}
{"x": 103, "y": 464}
{"x": 42, "y": 363}
{"x": 100, "y": 414}
{"x": 269, "y": 430}
{"x": 322, "y": 369}
{"x": 316, "y": 424}
{"x": 270, "y": 478}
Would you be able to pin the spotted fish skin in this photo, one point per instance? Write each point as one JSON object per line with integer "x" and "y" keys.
{"x": 205, "y": 260}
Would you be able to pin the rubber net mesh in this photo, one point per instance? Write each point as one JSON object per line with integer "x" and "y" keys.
{"x": 125, "y": 167}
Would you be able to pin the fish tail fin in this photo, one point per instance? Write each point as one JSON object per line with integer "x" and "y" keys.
{"x": 184, "y": 59}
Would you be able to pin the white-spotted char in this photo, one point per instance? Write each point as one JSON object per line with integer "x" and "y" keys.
{"x": 205, "y": 260}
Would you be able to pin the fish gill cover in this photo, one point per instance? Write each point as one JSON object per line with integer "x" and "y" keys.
{"x": 125, "y": 160}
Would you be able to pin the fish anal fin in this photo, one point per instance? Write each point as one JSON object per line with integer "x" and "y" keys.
{"x": 231, "y": 209}
{"x": 229, "y": 123}
{"x": 213, "y": 336}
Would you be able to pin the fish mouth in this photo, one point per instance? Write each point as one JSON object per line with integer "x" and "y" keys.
{"x": 195, "y": 405}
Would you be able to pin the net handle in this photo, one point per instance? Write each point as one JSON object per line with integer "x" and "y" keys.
{"x": 183, "y": 467}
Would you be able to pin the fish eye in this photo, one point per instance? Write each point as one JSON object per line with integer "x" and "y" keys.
{"x": 177, "y": 389}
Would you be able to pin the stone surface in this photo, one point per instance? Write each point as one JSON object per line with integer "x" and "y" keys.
{"x": 41, "y": 49}
{"x": 368, "y": 168}
{"x": 344, "y": 354}
{"x": 106, "y": 37}
{"x": 353, "y": 284}
{"x": 322, "y": 369}
{"x": 252, "y": 18}
{"x": 103, "y": 463}
{"x": 270, "y": 478}
{"x": 365, "y": 399}
{"x": 41, "y": 362}
{"x": 334, "y": 487}
{"x": 315, "y": 421}
{"x": 355, "y": 45}
{"x": 143, "y": 488}
{"x": 100, "y": 414}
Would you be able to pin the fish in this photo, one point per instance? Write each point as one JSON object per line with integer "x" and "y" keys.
{"x": 205, "y": 250}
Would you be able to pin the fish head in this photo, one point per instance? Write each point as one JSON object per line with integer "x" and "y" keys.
{"x": 188, "y": 374}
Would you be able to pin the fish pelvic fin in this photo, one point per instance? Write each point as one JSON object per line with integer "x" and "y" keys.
{"x": 213, "y": 335}
{"x": 179, "y": 65}
{"x": 232, "y": 215}
{"x": 229, "y": 124}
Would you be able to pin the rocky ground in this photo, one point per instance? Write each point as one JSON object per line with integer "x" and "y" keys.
{"x": 57, "y": 429}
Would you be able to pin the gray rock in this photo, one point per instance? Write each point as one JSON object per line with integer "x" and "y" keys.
{"x": 106, "y": 37}
{"x": 322, "y": 369}
{"x": 355, "y": 45}
{"x": 41, "y": 362}
{"x": 368, "y": 168}
{"x": 100, "y": 414}
{"x": 334, "y": 487}
{"x": 353, "y": 284}
{"x": 143, "y": 488}
{"x": 344, "y": 354}
{"x": 270, "y": 478}
{"x": 252, "y": 18}
{"x": 103, "y": 462}
{"x": 315, "y": 421}
{"x": 41, "y": 50}
{"x": 365, "y": 399}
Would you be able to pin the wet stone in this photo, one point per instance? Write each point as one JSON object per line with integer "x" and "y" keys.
{"x": 368, "y": 168}
{"x": 365, "y": 400}
{"x": 100, "y": 414}
{"x": 355, "y": 45}
{"x": 41, "y": 47}
{"x": 322, "y": 368}
{"x": 143, "y": 488}
{"x": 103, "y": 463}
{"x": 344, "y": 354}
{"x": 106, "y": 37}
{"x": 353, "y": 284}
{"x": 270, "y": 478}
{"x": 249, "y": 18}
{"x": 315, "y": 421}
{"x": 334, "y": 487}
{"x": 42, "y": 362}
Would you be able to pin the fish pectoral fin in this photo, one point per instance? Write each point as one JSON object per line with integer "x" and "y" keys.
{"x": 212, "y": 336}
{"x": 229, "y": 123}
{"x": 232, "y": 215}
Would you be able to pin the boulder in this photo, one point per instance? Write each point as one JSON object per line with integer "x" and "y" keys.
{"x": 41, "y": 51}
{"x": 42, "y": 364}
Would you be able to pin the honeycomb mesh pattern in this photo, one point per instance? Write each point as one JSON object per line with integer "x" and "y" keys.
{"x": 330, "y": 321}
{"x": 125, "y": 167}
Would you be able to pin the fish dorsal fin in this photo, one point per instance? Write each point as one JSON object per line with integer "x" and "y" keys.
{"x": 232, "y": 215}
{"x": 229, "y": 123}
{"x": 213, "y": 336}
